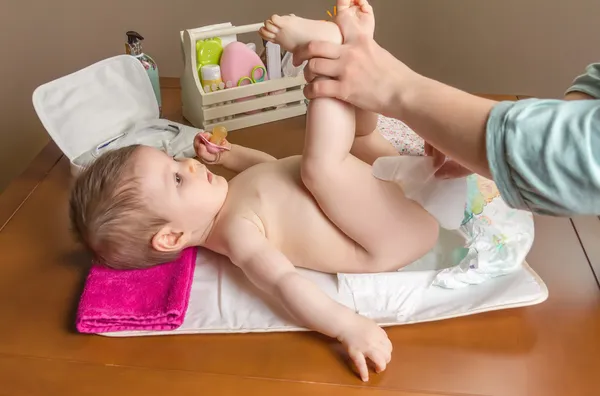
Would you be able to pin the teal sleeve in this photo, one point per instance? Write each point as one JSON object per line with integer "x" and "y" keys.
{"x": 544, "y": 155}
{"x": 589, "y": 82}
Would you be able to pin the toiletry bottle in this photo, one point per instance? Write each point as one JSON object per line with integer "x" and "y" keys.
{"x": 208, "y": 52}
{"x": 134, "y": 48}
{"x": 211, "y": 78}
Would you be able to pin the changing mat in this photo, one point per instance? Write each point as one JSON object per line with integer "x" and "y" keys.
{"x": 479, "y": 267}
{"x": 224, "y": 301}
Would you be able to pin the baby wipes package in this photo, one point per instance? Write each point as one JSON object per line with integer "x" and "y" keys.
{"x": 104, "y": 106}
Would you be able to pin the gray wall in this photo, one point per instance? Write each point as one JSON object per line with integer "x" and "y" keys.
{"x": 519, "y": 47}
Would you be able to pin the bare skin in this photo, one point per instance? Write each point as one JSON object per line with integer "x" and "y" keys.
{"x": 322, "y": 211}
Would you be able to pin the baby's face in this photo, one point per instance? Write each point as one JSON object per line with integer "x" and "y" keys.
{"x": 183, "y": 191}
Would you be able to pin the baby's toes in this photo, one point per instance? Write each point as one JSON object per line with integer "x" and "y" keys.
{"x": 271, "y": 27}
{"x": 366, "y": 8}
{"x": 266, "y": 34}
{"x": 343, "y": 4}
{"x": 277, "y": 21}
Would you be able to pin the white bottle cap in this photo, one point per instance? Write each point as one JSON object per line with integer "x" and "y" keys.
{"x": 210, "y": 72}
{"x": 252, "y": 46}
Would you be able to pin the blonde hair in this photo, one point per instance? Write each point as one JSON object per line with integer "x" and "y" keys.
{"x": 110, "y": 217}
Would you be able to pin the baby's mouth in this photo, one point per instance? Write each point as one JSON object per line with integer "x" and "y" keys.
{"x": 209, "y": 176}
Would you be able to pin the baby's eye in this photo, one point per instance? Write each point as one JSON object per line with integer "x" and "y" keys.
{"x": 177, "y": 179}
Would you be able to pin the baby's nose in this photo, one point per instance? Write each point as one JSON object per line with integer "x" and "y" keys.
{"x": 193, "y": 165}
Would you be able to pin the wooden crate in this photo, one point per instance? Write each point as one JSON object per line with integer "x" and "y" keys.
{"x": 274, "y": 99}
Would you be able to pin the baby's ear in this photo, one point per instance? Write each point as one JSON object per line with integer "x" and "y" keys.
{"x": 169, "y": 240}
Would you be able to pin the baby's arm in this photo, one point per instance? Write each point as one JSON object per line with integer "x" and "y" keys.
{"x": 272, "y": 272}
{"x": 237, "y": 159}
{"x": 240, "y": 158}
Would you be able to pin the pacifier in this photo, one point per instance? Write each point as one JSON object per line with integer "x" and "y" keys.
{"x": 213, "y": 145}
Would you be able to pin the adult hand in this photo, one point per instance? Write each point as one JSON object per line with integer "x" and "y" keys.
{"x": 362, "y": 73}
{"x": 447, "y": 169}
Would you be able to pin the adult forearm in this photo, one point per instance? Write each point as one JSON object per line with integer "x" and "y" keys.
{"x": 451, "y": 120}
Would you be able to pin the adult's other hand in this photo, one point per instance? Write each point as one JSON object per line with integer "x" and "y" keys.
{"x": 448, "y": 169}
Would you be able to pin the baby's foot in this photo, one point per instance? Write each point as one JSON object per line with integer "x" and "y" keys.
{"x": 290, "y": 31}
{"x": 355, "y": 18}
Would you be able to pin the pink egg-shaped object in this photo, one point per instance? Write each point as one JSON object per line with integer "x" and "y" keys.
{"x": 238, "y": 61}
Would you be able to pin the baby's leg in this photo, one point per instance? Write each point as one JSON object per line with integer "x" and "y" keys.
{"x": 392, "y": 230}
{"x": 369, "y": 144}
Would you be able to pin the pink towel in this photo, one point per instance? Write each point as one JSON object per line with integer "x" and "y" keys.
{"x": 155, "y": 298}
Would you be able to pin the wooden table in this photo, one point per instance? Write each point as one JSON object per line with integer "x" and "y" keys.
{"x": 549, "y": 349}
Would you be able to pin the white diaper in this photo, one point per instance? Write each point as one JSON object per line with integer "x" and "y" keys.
{"x": 497, "y": 237}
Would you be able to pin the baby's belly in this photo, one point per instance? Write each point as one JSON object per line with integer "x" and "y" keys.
{"x": 308, "y": 238}
{"x": 294, "y": 222}
{"x": 311, "y": 241}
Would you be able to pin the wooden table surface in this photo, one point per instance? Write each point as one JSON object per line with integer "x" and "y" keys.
{"x": 548, "y": 349}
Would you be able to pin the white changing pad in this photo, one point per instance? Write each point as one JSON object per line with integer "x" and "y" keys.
{"x": 223, "y": 300}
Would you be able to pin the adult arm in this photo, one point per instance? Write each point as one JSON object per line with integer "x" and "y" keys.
{"x": 543, "y": 154}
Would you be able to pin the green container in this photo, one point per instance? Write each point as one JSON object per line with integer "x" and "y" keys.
{"x": 134, "y": 48}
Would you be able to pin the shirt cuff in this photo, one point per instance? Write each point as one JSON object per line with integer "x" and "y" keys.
{"x": 588, "y": 83}
{"x": 498, "y": 156}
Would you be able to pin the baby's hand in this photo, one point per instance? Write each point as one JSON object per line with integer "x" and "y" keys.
{"x": 204, "y": 154}
{"x": 364, "y": 339}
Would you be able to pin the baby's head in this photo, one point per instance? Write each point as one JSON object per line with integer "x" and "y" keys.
{"x": 136, "y": 207}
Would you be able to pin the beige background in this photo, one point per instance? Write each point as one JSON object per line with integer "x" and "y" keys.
{"x": 530, "y": 47}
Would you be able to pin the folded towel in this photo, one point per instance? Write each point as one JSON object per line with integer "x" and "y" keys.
{"x": 155, "y": 298}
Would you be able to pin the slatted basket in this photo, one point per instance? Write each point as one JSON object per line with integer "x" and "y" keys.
{"x": 269, "y": 101}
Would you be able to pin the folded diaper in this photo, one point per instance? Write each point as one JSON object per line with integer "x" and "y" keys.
{"x": 149, "y": 299}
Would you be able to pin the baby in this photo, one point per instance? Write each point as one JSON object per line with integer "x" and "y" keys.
{"x": 136, "y": 207}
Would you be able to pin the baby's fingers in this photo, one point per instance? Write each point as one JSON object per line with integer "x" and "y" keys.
{"x": 378, "y": 359}
{"x": 198, "y": 142}
{"x": 360, "y": 363}
{"x": 385, "y": 347}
